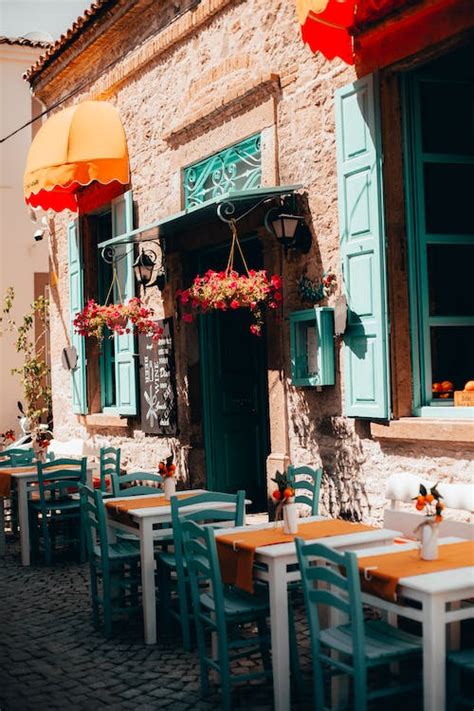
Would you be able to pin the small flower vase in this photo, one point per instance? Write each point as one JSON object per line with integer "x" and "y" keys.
{"x": 429, "y": 540}
{"x": 169, "y": 487}
{"x": 290, "y": 517}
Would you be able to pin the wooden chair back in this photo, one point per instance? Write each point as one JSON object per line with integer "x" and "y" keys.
{"x": 109, "y": 462}
{"x": 307, "y": 484}
{"x": 135, "y": 483}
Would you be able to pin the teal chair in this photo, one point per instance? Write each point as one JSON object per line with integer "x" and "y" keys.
{"x": 114, "y": 567}
{"x": 136, "y": 484}
{"x": 306, "y": 482}
{"x": 360, "y": 645}
{"x": 306, "y": 488}
{"x": 58, "y": 508}
{"x": 109, "y": 467}
{"x": 14, "y": 458}
{"x": 222, "y": 610}
{"x": 172, "y": 569}
{"x": 17, "y": 457}
{"x": 460, "y": 664}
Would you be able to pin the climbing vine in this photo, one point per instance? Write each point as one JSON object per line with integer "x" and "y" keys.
{"x": 34, "y": 370}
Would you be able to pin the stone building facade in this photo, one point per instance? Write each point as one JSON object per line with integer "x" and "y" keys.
{"x": 189, "y": 80}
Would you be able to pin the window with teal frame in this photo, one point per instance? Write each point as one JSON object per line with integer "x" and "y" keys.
{"x": 108, "y": 391}
{"x": 439, "y": 159}
{"x": 236, "y": 168}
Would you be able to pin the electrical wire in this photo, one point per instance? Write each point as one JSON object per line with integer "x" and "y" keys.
{"x": 87, "y": 82}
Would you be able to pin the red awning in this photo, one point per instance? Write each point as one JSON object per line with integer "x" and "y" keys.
{"x": 328, "y": 26}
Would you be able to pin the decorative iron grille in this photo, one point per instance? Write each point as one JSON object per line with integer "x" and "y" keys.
{"x": 236, "y": 168}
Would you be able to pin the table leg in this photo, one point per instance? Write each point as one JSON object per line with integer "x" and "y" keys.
{"x": 22, "y": 491}
{"x": 434, "y": 653}
{"x": 280, "y": 638}
{"x": 2, "y": 526}
{"x": 147, "y": 562}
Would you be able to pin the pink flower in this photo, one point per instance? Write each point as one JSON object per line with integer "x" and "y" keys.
{"x": 234, "y": 304}
{"x": 188, "y": 318}
{"x": 255, "y": 329}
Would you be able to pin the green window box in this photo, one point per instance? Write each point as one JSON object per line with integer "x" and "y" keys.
{"x": 312, "y": 347}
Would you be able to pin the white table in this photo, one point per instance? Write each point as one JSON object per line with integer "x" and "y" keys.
{"x": 149, "y": 520}
{"x": 23, "y": 477}
{"x": 277, "y": 559}
{"x": 439, "y": 595}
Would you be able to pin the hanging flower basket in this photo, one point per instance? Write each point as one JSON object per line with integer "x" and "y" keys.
{"x": 222, "y": 291}
{"x": 118, "y": 318}
{"x": 229, "y": 290}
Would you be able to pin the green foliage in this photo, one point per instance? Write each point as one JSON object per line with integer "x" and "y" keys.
{"x": 34, "y": 372}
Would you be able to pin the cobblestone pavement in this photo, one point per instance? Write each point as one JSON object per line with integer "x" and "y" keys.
{"x": 52, "y": 658}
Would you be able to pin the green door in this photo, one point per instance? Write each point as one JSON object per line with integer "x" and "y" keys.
{"x": 235, "y": 394}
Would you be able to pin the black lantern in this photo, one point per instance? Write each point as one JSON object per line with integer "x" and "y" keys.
{"x": 291, "y": 231}
{"x": 145, "y": 267}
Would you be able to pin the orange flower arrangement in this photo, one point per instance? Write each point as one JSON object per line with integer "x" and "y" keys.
{"x": 167, "y": 468}
{"x": 285, "y": 491}
{"x": 430, "y": 502}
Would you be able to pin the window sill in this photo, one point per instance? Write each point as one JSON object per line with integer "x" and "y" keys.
{"x": 418, "y": 429}
{"x": 104, "y": 419}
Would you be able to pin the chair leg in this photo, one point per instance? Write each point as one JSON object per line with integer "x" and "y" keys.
{"x": 46, "y": 540}
{"x": 203, "y": 669}
{"x": 294, "y": 655}
{"x": 107, "y": 604}
{"x": 318, "y": 680}
{"x": 184, "y": 612}
{"x": 224, "y": 671}
{"x": 360, "y": 688}
{"x": 453, "y": 687}
{"x": 94, "y": 595}
{"x": 264, "y": 643}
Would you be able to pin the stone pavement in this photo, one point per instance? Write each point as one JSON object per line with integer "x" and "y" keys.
{"x": 52, "y": 658}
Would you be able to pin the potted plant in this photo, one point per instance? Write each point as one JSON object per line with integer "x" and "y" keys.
{"x": 167, "y": 470}
{"x": 430, "y": 502}
{"x": 284, "y": 495}
{"x": 118, "y": 318}
{"x": 314, "y": 292}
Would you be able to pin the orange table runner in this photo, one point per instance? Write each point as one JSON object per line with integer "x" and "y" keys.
{"x": 237, "y": 550}
{"x": 5, "y": 482}
{"x": 6, "y": 474}
{"x": 380, "y": 574}
{"x": 119, "y": 509}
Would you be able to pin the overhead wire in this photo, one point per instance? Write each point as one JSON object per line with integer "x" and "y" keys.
{"x": 85, "y": 83}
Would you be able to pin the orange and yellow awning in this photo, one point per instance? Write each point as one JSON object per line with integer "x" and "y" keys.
{"x": 83, "y": 145}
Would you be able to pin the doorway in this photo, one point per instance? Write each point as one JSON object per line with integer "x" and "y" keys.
{"x": 233, "y": 365}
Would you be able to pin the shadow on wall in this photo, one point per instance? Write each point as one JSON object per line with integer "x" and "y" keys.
{"x": 334, "y": 444}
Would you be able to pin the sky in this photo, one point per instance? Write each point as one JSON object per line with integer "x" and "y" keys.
{"x": 18, "y": 17}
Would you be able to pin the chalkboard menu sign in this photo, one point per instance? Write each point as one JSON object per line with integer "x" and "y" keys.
{"x": 157, "y": 382}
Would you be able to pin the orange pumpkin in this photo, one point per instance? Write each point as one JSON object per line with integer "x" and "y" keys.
{"x": 447, "y": 385}
{"x": 469, "y": 385}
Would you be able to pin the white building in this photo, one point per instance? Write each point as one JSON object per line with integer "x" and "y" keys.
{"x": 23, "y": 261}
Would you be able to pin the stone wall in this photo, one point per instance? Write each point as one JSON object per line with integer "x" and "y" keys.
{"x": 190, "y": 93}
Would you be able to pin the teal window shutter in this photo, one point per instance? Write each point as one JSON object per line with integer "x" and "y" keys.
{"x": 76, "y": 303}
{"x": 125, "y": 367}
{"x": 359, "y": 159}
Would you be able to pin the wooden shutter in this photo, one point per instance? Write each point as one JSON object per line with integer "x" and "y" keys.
{"x": 125, "y": 367}
{"x": 76, "y": 303}
{"x": 362, "y": 237}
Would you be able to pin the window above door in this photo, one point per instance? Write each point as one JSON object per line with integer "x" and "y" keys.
{"x": 236, "y": 168}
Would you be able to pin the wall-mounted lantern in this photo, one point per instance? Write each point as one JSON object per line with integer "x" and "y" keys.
{"x": 148, "y": 272}
{"x": 291, "y": 231}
